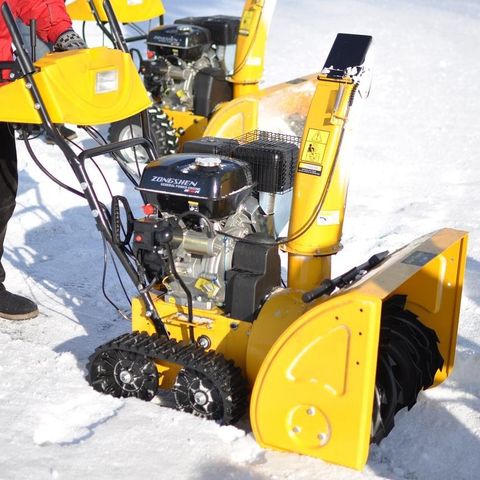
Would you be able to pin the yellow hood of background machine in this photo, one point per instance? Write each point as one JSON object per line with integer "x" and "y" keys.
{"x": 81, "y": 87}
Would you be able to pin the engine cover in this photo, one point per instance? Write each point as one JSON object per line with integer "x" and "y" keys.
{"x": 223, "y": 29}
{"x": 187, "y": 42}
{"x": 210, "y": 184}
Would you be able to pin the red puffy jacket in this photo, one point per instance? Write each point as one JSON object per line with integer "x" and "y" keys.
{"x": 52, "y": 21}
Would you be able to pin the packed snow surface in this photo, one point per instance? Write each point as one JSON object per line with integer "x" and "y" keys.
{"x": 413, "y": 171}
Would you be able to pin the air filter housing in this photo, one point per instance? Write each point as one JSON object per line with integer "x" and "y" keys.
{"x": 272, "y": 157}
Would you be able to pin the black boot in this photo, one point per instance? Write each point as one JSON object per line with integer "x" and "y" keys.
{"x": 15, "y": 307}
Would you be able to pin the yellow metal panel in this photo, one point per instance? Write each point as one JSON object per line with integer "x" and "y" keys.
{"x": 82, "y": 87}
{"x": 234, "y": 118}
{"x": 126, "y": 11}
{"x": 434, "y": 294}
{"x": 430, "y": 272}
{"x": 192, "y": 125}
{"x": 314, "y": 391}
{"x": 70, "y": 82}
{"x": 227, "y": 336}
{"x": 281, "y": 309}
{"x": 16, "y": 104}
{"x": 140, "y": 322}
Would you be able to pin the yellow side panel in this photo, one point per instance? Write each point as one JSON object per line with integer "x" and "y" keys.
{"x": 434, "y": 294}
{"x": 126, "y": 11}
{"x": 16, "y": 104}
{"x": 430, "y": 272}
{"x": 140, "y": 322}
{"x": 82, "y": 87}
{"x": 314, "y": 391}
{"x": 227, "y": 336}
{"x": 192, "y": 125}
{"x": 167, "y": 371}
{"x": 234, "y": 118}
{"x": 281, "y": 309}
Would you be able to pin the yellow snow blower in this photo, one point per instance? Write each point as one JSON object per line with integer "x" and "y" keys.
{"x": 195, "y": 92}
{"x": 322, "y": 363}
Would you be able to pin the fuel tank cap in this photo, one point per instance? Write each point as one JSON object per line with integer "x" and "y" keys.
{"x": 208, "y": 162}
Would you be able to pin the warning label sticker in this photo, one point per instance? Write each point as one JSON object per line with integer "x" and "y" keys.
{"x": 314, "y": 149}
{"x": 310, "y": 168}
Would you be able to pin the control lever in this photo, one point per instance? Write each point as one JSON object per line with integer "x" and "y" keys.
{"x": 329, "y": 285}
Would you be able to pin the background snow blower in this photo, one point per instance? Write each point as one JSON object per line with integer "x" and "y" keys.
{"x": 323, "y": 363}
{"x": 195, "y": 92}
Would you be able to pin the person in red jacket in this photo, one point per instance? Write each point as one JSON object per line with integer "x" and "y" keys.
{"x": 54, "y": 27}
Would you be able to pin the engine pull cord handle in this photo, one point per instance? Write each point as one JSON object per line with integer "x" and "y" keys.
{"x": 328, "y": 286}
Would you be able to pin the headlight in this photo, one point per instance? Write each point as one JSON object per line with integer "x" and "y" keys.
{"x": 106, "y": 81}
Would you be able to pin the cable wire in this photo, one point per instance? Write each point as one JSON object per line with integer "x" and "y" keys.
{"x": 78, "y": 193}
{"x": 47, "y": 173}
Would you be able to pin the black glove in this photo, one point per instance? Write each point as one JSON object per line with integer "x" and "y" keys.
{"x": 69, "y": 40}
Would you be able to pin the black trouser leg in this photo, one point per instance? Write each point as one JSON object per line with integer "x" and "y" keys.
{"x": 8, "y": 184}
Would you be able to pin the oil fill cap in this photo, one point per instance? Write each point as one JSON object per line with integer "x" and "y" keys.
{"x": 208, "y": 162}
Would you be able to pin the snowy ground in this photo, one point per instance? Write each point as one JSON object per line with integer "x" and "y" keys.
{"x": 413, "y": 172}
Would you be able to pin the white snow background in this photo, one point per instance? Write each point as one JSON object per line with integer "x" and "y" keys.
{"x": 413, "y": 172}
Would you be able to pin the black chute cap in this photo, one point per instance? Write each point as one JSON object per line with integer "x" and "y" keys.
{"x": 348, "y": 50}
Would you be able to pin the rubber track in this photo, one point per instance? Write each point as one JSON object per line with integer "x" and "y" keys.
{"x": 226, "y": 377}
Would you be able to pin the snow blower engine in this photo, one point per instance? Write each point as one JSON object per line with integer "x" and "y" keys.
{"x": 217, "y": 212}
{"x": 185, "y": 68}
{"x": 322, "y": 364}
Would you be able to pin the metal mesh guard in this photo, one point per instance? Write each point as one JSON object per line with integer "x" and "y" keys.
{"x": 272, "y": 158}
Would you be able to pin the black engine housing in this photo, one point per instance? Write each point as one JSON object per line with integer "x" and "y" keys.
{"x": 187, "y": 42}
{"x": 210, "y": 184}
{"x": 223, "y": 28}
